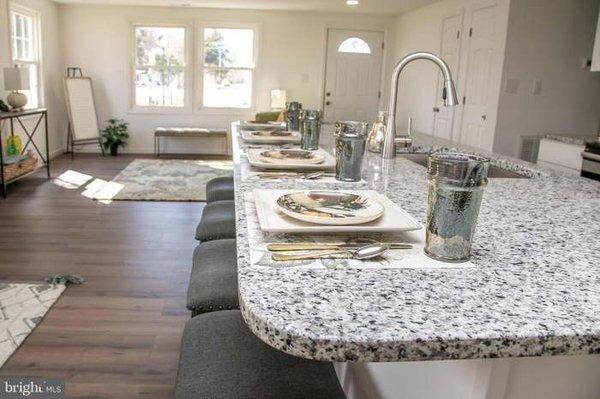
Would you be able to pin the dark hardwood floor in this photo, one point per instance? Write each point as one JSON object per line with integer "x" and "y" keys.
{"x": 117, "y": 335}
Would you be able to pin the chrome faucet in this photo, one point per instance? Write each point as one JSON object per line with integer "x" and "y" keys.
{"x": 448, "y": 95}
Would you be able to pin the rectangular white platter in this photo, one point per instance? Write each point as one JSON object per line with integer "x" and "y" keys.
{"x": 249, "y": 125}
{"x": 271, "y": 220}
{"x": 254, "y": 160}
{"x": 248, "y": 137}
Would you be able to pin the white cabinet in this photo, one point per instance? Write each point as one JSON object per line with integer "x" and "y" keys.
{"x": 560, "y": 156}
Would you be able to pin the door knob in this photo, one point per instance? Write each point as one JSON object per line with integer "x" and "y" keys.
{"x": 327, "y": 102}
{"x": 483, "y": 117}
{"x": 328, "y": 94}
{"x": 436, "y": 109}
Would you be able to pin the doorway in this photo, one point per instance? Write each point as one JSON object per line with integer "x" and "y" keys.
{"x": 353, "y": 75}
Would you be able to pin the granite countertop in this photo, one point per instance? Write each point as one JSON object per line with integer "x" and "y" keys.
{"x": 535, "y": 289}
{"x": 575, "y": 140}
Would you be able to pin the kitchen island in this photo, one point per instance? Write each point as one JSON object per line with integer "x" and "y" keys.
{"x": 535, "y": 290}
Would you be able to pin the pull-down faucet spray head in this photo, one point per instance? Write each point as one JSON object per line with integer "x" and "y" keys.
{"x": 449, "y": 94}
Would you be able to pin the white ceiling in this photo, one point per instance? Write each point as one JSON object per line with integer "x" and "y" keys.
{"x": 389, "y": 7}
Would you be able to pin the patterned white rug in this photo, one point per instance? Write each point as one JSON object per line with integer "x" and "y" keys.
{"x": 22, "y": 307}
{"x": 163, "y": 180}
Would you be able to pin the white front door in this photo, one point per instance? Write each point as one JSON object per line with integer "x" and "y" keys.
{"x": 450, "y": 52}
{"x": 353, "y": 75}
{"x": 475, "y": 129}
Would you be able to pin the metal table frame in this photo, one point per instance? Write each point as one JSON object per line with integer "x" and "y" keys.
{"x": 11, "y": 116}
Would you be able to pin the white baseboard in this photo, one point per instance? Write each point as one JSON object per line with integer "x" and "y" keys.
{"x": 56, "y": 153}
{"x": 143, "y": 150}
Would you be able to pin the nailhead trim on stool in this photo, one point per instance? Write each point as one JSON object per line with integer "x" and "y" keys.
{"x": 213, "y": 281}
{"x": 217, "y": 221}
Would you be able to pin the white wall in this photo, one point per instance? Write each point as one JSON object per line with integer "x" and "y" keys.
{"x": 292, "y": 46}
{"x": 547, "y": 41}
{"x": 51, "y": 70}
{"x": 420, "y": 30}
{"x": 596, "y": 54}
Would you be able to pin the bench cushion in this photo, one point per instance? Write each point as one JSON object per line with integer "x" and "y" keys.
{"x": 222, "y": 358}
{"x": 187, "y": 131}
{"x": 220, "y": 189}
{"x": 217, "y": 221}
{"x": 213, "y": 281}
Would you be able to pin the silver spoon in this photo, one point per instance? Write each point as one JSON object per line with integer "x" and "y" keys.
{"x": 313, "y": 175}
{"x": 362, "y": 253}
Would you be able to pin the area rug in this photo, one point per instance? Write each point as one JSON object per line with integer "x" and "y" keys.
{"x": 163, "y": 180}
{"x": 22, "y": 307}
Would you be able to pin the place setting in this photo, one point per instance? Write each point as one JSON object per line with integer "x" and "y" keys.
{"x": 277, "y": 136}
{"x": 254, "y": 126}
{"x": 323, "y": 229}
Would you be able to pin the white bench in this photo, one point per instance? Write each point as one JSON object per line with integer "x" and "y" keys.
{"x": 192, "y": 132}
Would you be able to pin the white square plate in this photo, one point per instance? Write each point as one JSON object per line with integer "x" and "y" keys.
{"x": 255, "y": 160}
{"x": 271, "y": 220}
{"x": 249, "y": 125}
{"x": 250, "y": 138}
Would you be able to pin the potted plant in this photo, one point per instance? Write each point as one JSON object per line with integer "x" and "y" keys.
{"x": 114, "y": 135}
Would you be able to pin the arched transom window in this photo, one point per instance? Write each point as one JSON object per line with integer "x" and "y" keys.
{"x": 354, "y": 45}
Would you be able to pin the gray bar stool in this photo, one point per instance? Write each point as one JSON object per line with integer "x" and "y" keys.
{"x": 220, "y": 189}
{"x": 213, "y": 281}
{"x": 222, "y": 358}
{"x": 217, "y": 221}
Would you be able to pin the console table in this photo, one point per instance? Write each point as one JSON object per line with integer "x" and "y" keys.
{"x": 41, "y": 115}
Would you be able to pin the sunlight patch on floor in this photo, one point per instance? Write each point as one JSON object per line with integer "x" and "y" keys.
{"x": 71, "y": 179}
{"x": 102, "y": 191}
{"x": 221, "y": 165}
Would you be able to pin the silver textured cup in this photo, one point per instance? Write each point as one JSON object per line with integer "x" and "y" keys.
{"x": 292, "y": 115}
{"x": 350, "y": 144}
{"x": 310, "y": 129}
{"x": 456, "y": 184}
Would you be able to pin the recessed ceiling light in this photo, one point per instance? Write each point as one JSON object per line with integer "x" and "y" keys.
{"x": 352, "y": 2}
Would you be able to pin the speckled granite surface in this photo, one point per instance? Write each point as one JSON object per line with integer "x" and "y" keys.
{"x": 536, "y": 290}
{"x": 576, "y": 140}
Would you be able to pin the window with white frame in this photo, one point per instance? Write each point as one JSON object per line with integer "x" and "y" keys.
{"x": 228, "y": 61}
{"x": 160, "y": 66}
{"x": 24, "y": 40}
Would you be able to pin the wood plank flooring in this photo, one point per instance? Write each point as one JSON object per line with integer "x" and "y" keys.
{"x": 117, "y": 335}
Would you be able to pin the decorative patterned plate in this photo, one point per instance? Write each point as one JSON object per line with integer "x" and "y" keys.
{"x": 256, "y": 160}
{"x": 330, "y": 207}
{"x": 291, "y": 156}
{"x": 271, "y": 133}
{"x": 252, "y": 125}
{"x": 271, "y": 137}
